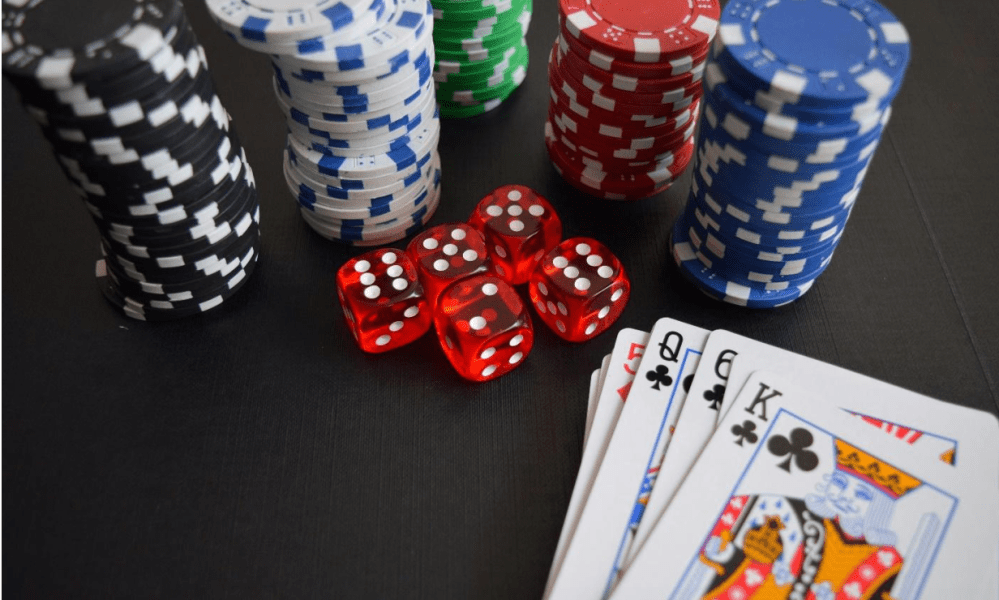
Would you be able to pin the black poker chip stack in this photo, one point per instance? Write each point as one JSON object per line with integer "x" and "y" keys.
{"x": 122, "y": 91}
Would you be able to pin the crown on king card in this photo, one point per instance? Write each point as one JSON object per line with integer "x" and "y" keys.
{"x": 887, "y": 478}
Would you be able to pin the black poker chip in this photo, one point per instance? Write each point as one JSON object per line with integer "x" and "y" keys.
{"x": 122, "y": 92}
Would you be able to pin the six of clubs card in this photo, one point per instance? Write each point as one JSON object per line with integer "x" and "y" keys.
{"x": 733, "y": 469}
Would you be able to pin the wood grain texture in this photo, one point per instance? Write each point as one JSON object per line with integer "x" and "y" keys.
{"x": 257, "y": 453}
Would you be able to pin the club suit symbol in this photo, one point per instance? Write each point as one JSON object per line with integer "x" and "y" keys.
{"x": 660, "y": 376}
{"x": 714, "y": 396}
{"x": 745, "y": 432}
{"x": 795, "y": 448}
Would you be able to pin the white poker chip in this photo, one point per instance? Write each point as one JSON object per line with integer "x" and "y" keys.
{"x": 353, "y": 79}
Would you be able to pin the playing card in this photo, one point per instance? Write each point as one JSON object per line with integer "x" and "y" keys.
{"x": 596, "y": 384}
{"x": 793, "y": 498}
{"x": 697, "y": 422}
{"x": 931, "y": 428}
{"x": 627, "y": 472}
{"x": 627, "y": 352}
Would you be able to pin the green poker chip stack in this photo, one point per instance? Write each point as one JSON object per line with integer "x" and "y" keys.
{"x": 481, "y": 53}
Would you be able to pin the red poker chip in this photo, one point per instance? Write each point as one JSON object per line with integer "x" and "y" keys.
{"x": 666, "y": 95}
{"x": 678, "y": 65}
{"x": 592, "y": 151}
{"x": 596, "y": 176}
{"x": 662, "y": 167}
{"x": 616, "y": 131}
{"x": 633, "y": 123}
{"x": 578, "y": 182}
{"x": 639, "y": 30}
{"x": 583, "y": 96}
{"x": 629, "y": 141}
{"x": 570, "y": 61}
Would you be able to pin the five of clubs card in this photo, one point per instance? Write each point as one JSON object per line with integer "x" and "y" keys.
{"x": 718, "y": 467}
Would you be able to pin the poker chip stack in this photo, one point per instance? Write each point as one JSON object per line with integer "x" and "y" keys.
{"x": 797, "y": 94}
{"x": 122, "y": 92}
{"x": 481, "y": 53}
{"x": 353, "y": 78}
{"x": 625, "y": 78}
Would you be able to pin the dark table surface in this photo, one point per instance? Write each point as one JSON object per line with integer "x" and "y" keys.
{"x": 256, "y": 452}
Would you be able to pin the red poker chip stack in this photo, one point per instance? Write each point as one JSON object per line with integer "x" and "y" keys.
{"x": 625, "y": 78}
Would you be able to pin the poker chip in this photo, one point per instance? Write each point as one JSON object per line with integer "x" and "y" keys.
{"x": 122, "y": 92}
{"x": 625, "y": 83}
{"x": 796, "y": 97}
{"x": 354, "y": 79}
{"x": 481, "y": 53}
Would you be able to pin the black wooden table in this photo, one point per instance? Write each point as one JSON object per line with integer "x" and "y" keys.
{"x": 255, "y": 452}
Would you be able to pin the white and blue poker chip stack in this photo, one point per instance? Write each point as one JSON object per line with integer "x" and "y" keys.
{"x": 353, "y": 78}
{"x": 796, "y": 96}
{"x": 122, "y": 92}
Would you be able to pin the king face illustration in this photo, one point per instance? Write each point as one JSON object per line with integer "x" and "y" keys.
{"x": 845, "y": 540}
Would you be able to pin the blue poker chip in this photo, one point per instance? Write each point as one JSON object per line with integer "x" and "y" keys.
{"x": 752, "y": 182}
{"x": 716, "y": 286}
{"x": 751, "y": 236}
{"x": 756, "y": 135}
{"x": 787, "y": 259}
{"x": 797, "y": 94}
{"x": 769, "y": 277}
{"x": 780, "y": 226}
{"x": 814, "y": 52}
{"x": 783, "y": 128}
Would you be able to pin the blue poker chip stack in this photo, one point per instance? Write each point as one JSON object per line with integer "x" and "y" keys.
{"x": 122, "y": 92}
{"x": 796, "y": 96}
{"x": 353, "y": 78}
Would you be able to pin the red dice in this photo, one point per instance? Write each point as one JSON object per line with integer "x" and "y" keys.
{"x": 579, "y": 289}
{"x": 483, "y": 327}
{"x": 445, "y": 254}
{"x": 382, "y": 298}
{"x": 519, "y": 227}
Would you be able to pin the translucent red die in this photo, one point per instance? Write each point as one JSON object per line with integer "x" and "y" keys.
{"x": 483, "y": 327}
{"x": 579, "y": 289}
{"x": 382, "y": 299}
{"x": 519, "y": 227}
{"x": 447, "y": 253}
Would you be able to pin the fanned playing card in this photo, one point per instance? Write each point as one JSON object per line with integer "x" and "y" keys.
{"x": 697, "y": 422}
{"x": 795, "y": 498}
{"x": 596, "y": 385}
{"x": 628, "y": 349}
{"x": 615, "y": 505}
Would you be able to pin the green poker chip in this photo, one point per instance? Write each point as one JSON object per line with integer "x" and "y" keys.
{"x": 459, "y": 30}
{"x": 473, "y": 77}
{"x": 474, "y": 56}
{"x": 476, "y": 10}
{"x": 469, "y": 67}
{"x": 451, "y": 110}
{"x": 497, "y": 41}
{"x": 448, "y": 93}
